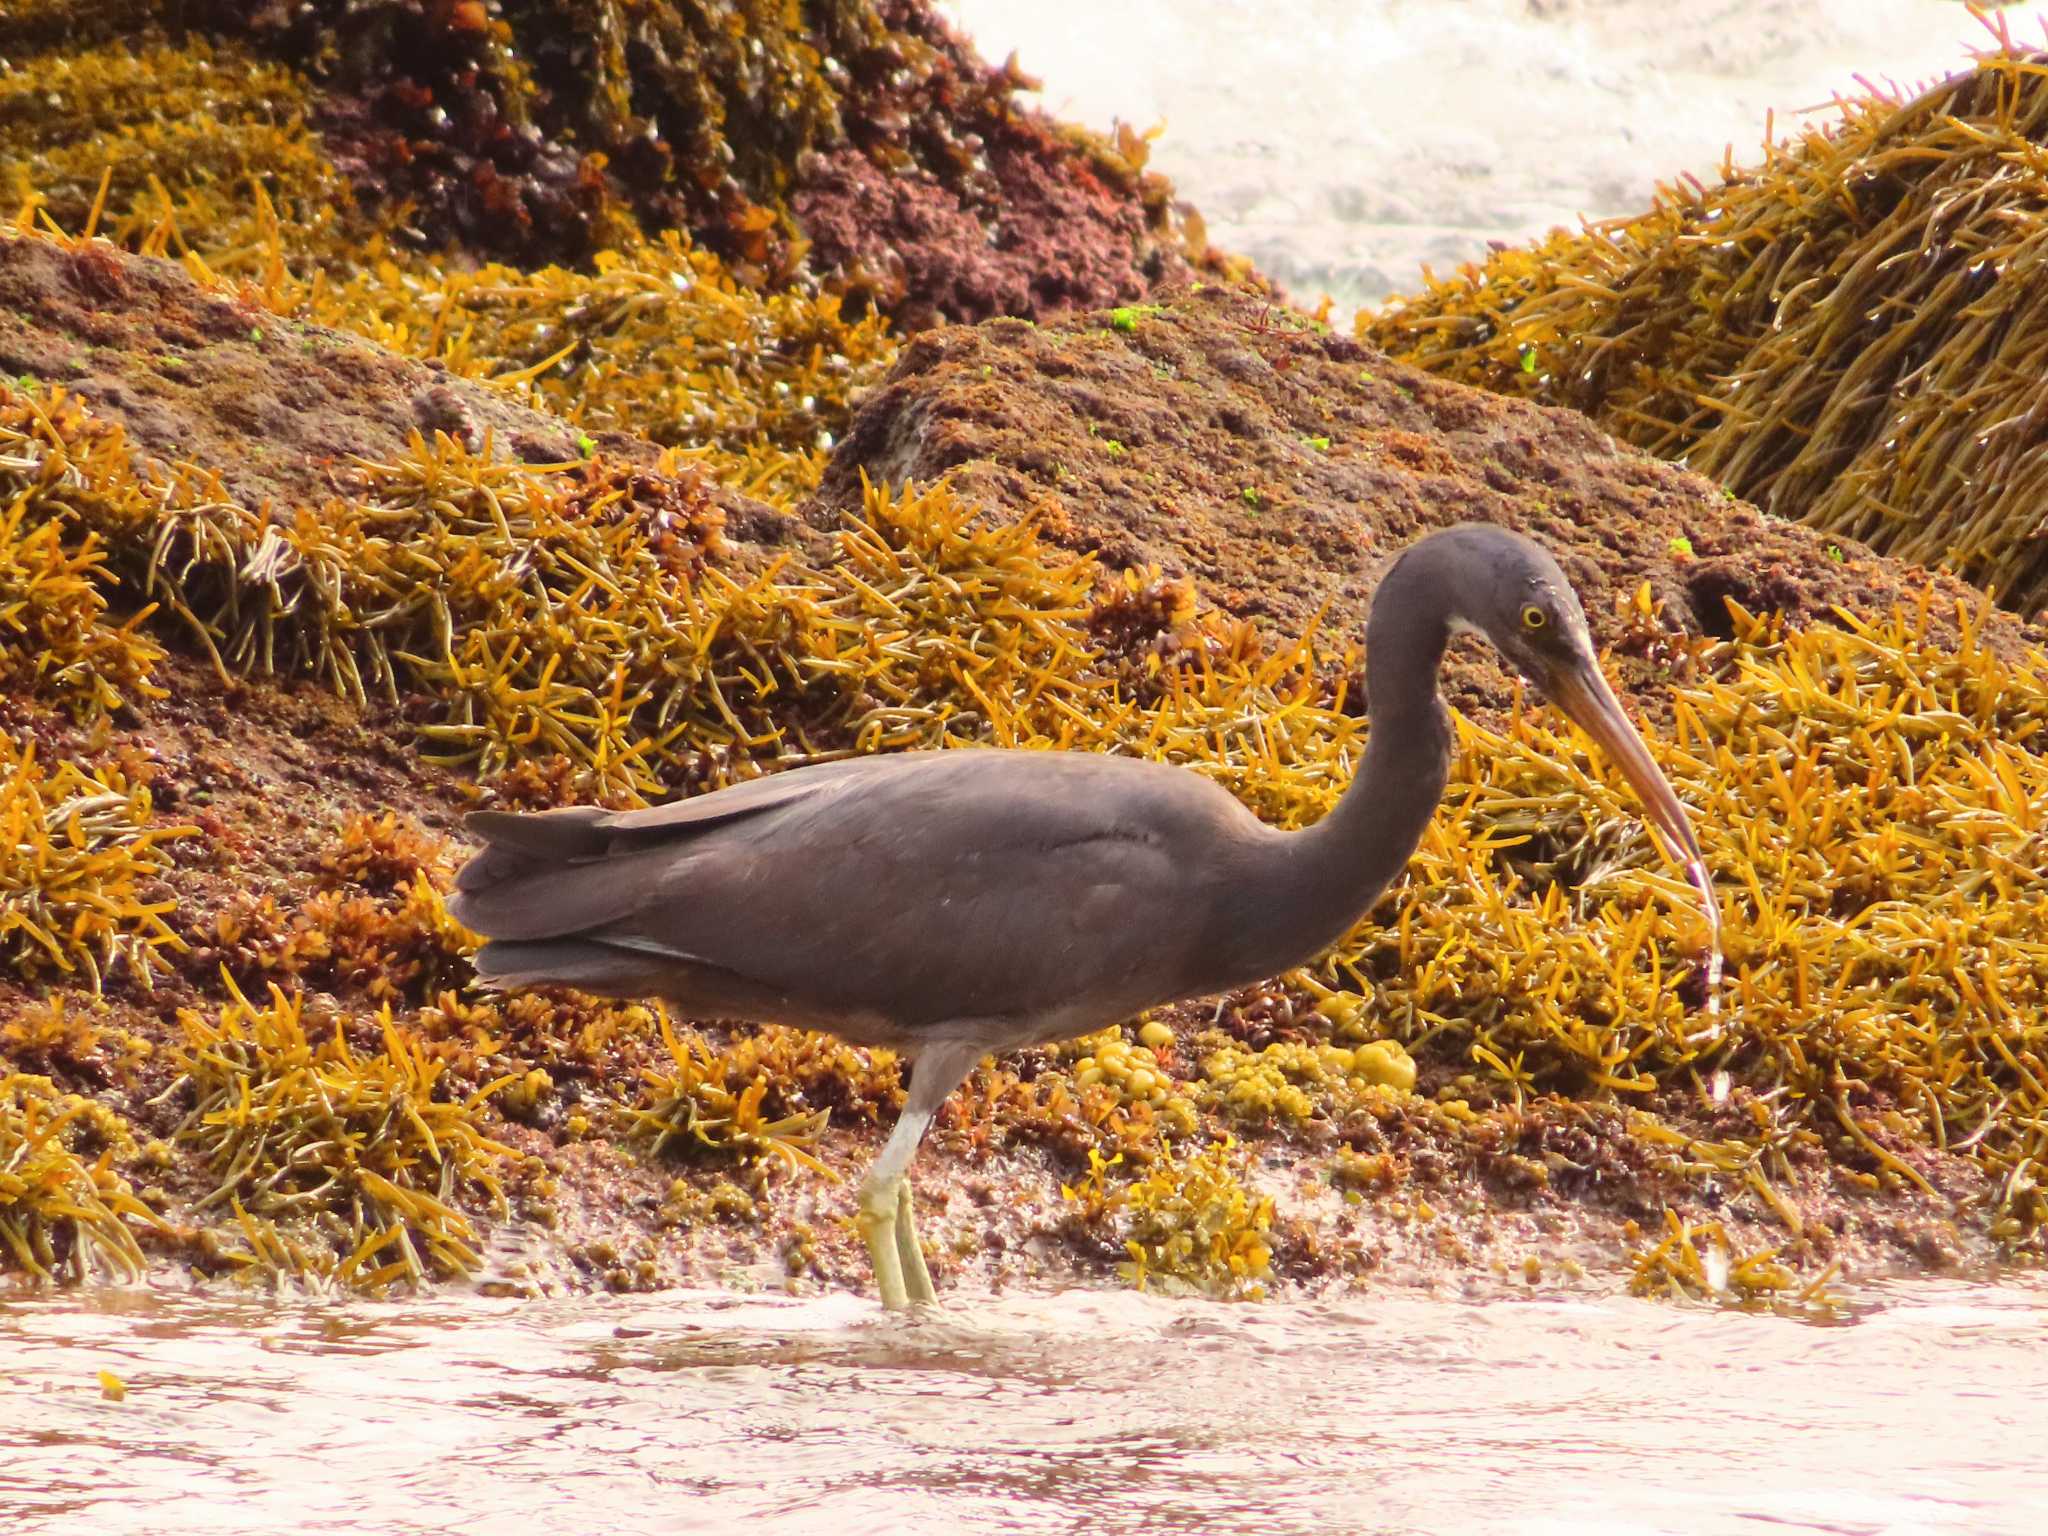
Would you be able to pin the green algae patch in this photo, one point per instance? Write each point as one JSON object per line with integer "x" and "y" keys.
{"x": 359, "y": 1148}
{"x": 65, "y": 1213}
{"x": 1847, "y": 335}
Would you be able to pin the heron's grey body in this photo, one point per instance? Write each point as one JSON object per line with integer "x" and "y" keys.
{"x": 958, "y": 903}
{"x": 1015, "y": 897}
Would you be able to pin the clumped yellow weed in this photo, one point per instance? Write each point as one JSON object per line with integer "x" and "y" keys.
{"x": 1849, "y": 334}
{"x": 65, "y": 1214}
{"x": 363, "y": 1150}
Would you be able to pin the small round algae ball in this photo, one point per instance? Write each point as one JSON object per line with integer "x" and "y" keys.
{"x": 1384, "y": 1062}
{"x": 1342, "y": 1008}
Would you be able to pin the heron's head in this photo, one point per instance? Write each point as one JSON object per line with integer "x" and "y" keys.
{"x": 1507, "y": 588}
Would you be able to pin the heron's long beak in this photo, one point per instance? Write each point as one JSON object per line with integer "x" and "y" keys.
{"x": 1582, "y": 693}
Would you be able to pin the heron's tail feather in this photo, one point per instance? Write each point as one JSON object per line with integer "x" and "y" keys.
{"x": 552, "y": 876}
{"x": 516, "y": 846}
{"x": 575, "y": 832}
{"x": 587, "y": 965}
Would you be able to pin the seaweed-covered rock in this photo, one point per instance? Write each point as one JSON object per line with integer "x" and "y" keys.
{"x": 275, "y": 405}
{"x": 248, "y": 731}
{"x": 1850, "y": 334}
{"x": 168, "y": 129}
{"x": 865, "y": 133}
{"x": 1282, "y": 467}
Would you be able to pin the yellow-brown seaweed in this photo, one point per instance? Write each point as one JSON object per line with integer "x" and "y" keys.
{"x": 362, "y": 1148}
{"x": 64, "y": 1212}
{"x": 1849, "y": 334}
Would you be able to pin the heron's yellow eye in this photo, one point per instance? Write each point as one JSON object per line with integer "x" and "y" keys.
{"x": 1534, "y": 617}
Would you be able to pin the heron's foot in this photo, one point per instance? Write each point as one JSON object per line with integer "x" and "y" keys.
{"x": 879, "y": 1204}
{"x": 917, "y": 1280}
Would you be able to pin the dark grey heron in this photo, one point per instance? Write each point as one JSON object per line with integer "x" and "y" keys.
{"x": 955, "y": 904}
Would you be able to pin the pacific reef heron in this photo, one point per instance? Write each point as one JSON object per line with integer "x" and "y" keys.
{"x": 955, "y": 904}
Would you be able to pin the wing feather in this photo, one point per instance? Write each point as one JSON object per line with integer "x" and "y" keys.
{"x": 913, "y": 887}
{"x": 682, "y": 817}
{"x": 518, "y": 845}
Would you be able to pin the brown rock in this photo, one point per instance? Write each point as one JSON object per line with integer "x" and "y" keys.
{"x": 1282, "y": 467}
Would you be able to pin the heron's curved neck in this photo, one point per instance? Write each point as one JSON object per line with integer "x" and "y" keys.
{"x": 1329, "y": 875}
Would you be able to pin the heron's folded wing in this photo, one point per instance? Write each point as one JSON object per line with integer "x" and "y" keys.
{"x": 591, "y": 832}
{"x": 682, "y": 817}
{"x": 553, "y": 845}
{"x": 967, "y": 894}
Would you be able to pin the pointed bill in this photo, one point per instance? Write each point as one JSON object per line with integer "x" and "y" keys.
{"x": 1582, "y": 693}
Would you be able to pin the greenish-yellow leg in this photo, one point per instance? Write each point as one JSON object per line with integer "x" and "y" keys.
{"x": 877, "y": 1221}
{"x": 888, "y": 1219}
{"x": 917, "y": 1280}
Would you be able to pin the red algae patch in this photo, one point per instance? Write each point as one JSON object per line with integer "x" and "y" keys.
{"x": 1001, "y": 211}
{"x": 861, "y": 142}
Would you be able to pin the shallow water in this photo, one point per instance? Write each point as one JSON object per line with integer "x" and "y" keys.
{"x": 1079, "y": 1413}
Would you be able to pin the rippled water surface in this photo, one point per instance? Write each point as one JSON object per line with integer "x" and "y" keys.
{"x": 1083, "y": 1413}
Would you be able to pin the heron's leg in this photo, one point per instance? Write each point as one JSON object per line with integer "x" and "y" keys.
{"x": 886, "y": 1221}
{"x": 917, "y": 1280}
{"x": 877, "y": 1222}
